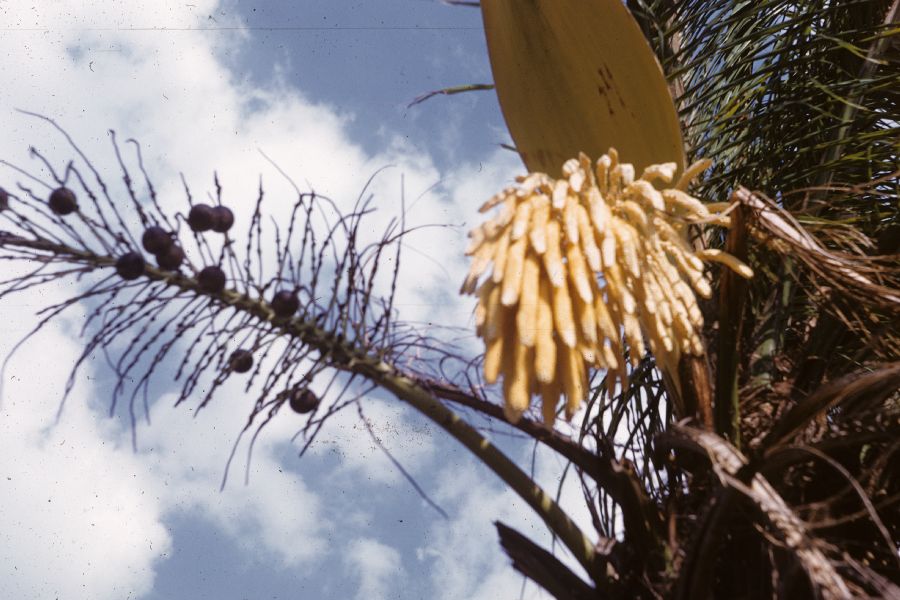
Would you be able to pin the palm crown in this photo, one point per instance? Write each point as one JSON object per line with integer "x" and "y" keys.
{"x": 745, "y": 448}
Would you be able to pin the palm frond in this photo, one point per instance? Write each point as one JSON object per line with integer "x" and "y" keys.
{"x": 797, "y": 99}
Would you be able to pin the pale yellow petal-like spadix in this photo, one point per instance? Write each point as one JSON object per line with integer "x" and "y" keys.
{"x": 587, "y": 273}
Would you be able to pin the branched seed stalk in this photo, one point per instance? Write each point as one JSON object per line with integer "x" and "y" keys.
{"x": 345, "y": 357}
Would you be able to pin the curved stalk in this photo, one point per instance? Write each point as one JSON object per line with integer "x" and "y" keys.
{"x": 350, "y": 359}
{"x": 542, "y": 503}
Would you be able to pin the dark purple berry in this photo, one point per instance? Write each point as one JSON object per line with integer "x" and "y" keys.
{"x": 240, "y": 361}
{"x": 156, "y": 240}
{"x": 201, "y": 217}
{"x": 171, "y": 259}
{"x": 4, "y": 199}
{"x": 211, "y": 280}
{"x": 302, "y": 400}
{"x": 223, "y": 219}
{"x": 130, "y": 266}
{"x": 62, "y": 201}
{"x": 285, "y": 303}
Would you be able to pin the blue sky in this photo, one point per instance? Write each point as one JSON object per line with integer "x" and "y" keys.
{"x": 322, "y": 86}
{"x": 372, "y": 59}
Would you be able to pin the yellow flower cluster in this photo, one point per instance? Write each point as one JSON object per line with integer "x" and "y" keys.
{"x": 582, "y": 266}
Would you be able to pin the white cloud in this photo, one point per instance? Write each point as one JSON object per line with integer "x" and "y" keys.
{"x": 80, "y": 518}
{"x": 468, "y": 561}
{"x": 276, "y": 513}
{"x": 410, "y": 441}
{"x": 104, "y": 529}
{"x": 378, "y": 568}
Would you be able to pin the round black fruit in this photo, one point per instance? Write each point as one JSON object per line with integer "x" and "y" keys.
{"x": 240, "y": 361}
{"x": 211, "y": 280}
{"x": 285, "y": 303}
{"x": 303, "y": 401}
{"x": 171, "y": 259}
{"x": 4, "y": 199}
{"x": 130, "y": 266}
{"x": 62, "y": 201}
{"x": 156, "y": 240}
{"x": 223, "y": 219}
{"x": 201, "y": 217}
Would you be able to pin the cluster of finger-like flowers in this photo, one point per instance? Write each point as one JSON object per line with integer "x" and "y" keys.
{"x": 581, "y": 268}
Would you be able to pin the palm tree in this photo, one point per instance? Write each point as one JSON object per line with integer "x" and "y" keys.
{"x": 782, "y": 480}
{"x": 759, "y": 462}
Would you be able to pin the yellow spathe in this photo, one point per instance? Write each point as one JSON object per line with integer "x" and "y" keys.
{"x": 578, "y": 76}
